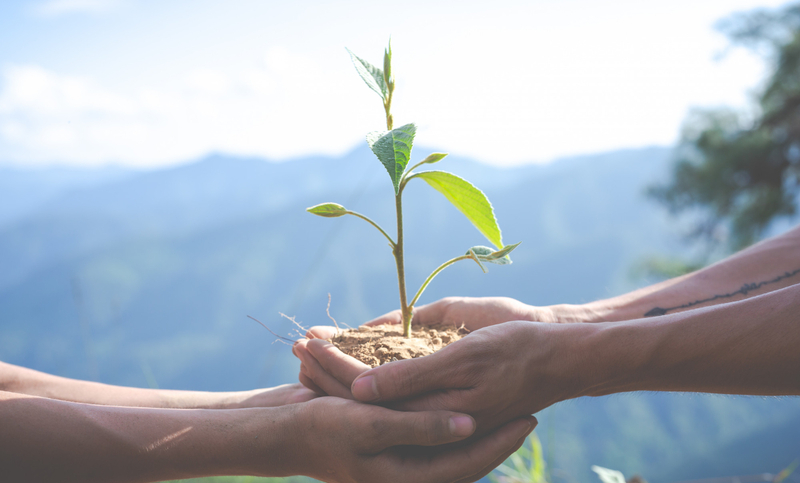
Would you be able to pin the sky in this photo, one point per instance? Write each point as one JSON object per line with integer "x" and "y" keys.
{"x": 149, "y": 83}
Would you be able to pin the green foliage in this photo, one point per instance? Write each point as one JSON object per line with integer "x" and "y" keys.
{"x": 498, "y": 257}
{"x": 786, "y": 472}
{"x": 608, "y": 476}
{"x": 433, "y": 158}
{"x": 371, "y": 75}
{"x": 663, "y": 268}
{"x": 738, "y": 171}
{"x": 328, "y": 210}
{"x": 393, "y": 150}
{"x": 526, "y": 465}
{"x": 469, "y": 200}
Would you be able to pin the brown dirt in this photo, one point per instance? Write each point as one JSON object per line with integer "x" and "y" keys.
{"x": 380, "y": 344}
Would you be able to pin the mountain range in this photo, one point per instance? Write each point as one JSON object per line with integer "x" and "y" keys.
{"x": 146, "y": 278}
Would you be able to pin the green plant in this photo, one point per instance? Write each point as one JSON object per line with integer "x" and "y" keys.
{"x": 393, "y": 149}
{"x": 526, "y": 464}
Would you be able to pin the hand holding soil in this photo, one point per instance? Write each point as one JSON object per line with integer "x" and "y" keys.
{"x": 495, "y": 374}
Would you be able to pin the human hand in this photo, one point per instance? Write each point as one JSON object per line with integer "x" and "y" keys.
{"x": 346, "y": 441}
{"x": 474, "y": 313}
{"x": 495, "y": 374}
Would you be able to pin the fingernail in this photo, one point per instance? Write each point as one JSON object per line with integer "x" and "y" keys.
{"x": 365, "y": 389}
{"x": 461, "y": 426}
{"x": 528, "y": 428}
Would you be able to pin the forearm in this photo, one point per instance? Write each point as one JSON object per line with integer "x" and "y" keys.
{"x": 745, "y": 347}
{"x": 767, "y": 266}
{"x": 48, "y": 440}
{"x": 27, "y": 381}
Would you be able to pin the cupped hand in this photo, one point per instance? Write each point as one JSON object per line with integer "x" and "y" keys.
{"x": 495, "y": 374}
{"x": 347, "y": 441}
{"x": 473, "y": 313}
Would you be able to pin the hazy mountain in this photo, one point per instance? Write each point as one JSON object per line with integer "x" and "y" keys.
{"x": 137, "y": 278}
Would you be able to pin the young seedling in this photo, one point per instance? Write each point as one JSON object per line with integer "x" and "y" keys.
{"x": 393, "y": 149}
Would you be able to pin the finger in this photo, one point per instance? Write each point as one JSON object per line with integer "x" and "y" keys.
{"x": 426, "y": 428}
{"x": 425, "y": 314}
{"x": 409, "y": 377}
{"x": 322, "y": 332}
{"x": 471, "y": 460}
{"x": 312, "y": 370}
{"x": 394, "y": 317}
{"x": 335, "y": 362}
{"x": 307, "y": 382}
{"x": 494, "y": 464}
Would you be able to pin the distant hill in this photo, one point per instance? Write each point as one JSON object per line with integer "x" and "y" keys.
{"x": 136, "y": 278}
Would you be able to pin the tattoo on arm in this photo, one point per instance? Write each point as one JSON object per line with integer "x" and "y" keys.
{"x": 748, "y": 287}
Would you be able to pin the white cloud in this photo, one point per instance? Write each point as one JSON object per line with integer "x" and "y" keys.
{"x": 54, "y": 8}
{"x": 276, "y": 109}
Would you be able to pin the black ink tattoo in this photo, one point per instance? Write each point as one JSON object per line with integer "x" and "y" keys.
{"x": 748, "y": 287}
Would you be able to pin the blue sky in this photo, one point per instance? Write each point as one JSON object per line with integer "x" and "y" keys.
{"x": 149, "y": 83}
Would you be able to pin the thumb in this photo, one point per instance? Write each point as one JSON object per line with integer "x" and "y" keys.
{"x": 424, "y": 428}
{"x": 405, "y": 378}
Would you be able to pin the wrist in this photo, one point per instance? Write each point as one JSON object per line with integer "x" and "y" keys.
{"x": 569, "y": 314}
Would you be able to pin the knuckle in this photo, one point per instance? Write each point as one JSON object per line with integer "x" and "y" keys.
{"x": 429, "y": 431}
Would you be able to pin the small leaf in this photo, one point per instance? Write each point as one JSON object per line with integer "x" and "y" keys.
{"x": 499, "y": 257}
{"x": 480, "y": 250}
{"x": 328, "y": 210}
{"x": 393, "y": 149}
{"x": 371, "y": 75}
{"x": 433, "y": 158}
{"x": 469, "y": 200}
{"x": 477, "y": 258}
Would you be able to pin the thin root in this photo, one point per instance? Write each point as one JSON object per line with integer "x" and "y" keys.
{"x": 328, "y": 311}
{"x": 279, "y": 337}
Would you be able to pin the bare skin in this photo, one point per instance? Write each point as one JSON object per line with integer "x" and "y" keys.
{"x": 764, "y": 267}
{"x": 502, "y": 371}
{"x": 743, "y": 344}
{"x": 331, "y": 439}
{"x": 27, "y": 381}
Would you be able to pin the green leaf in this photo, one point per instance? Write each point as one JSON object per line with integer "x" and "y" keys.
{"x": 371, "y": 75}
{"x": 477, "y": 258}
{"x": 393, "y": 149}
{"x": 469, "y": 200}
{"x": 498, "y": 257}
{"x": 433, "y": 158}
{"x": 328, "y": 210}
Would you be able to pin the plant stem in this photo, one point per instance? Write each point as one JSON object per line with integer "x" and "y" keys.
{"x": 401, "y": 272}
{"x": 387, "y": 106}
{"x": 435, "y": 273}
{"x": 391, "y": 242}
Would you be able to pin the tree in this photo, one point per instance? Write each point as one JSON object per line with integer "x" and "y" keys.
{"x": 737, "y": 171}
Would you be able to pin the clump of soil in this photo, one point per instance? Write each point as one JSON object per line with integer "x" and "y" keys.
{"x": 380, "y": 344}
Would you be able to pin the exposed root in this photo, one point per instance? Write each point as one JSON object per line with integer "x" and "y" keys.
{"x": 279, "y": 337}
{"x": 328, "y": 311}
{"x": 297, "y": 332}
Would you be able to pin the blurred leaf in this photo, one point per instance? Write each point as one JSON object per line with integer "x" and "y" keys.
{"x": 469, "y": 200}
{"x": 433, "y": 158}
{"x": 608, "y": 476}
{"x": 393, "y": 149}
{"x": 663, "y": 268}
{"x": 371, "y": 75}
{"x": 328, "y": 210}
{"x": 786, "y": 472}
{"x": 526, "y": 465}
